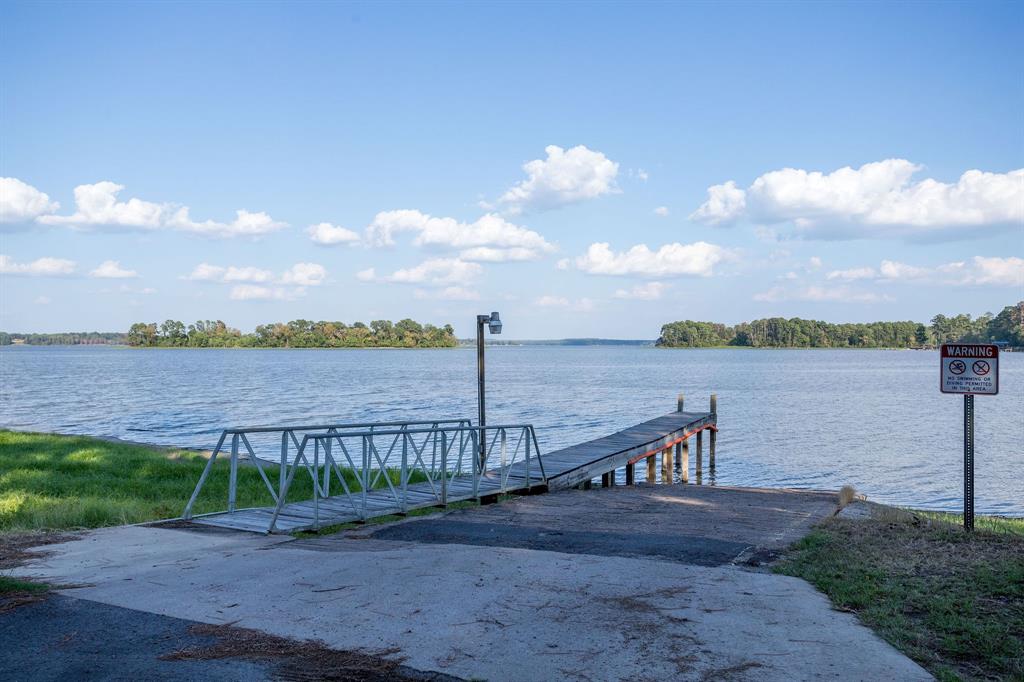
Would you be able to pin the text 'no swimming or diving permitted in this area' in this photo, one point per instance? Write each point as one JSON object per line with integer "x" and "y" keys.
{"x": 971, "y": 368}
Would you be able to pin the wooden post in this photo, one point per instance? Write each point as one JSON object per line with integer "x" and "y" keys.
{"x": 683, "y": 451}
{"x": 652, "y": 470}
{"x": 588, "y": 484}
{"x": 666, "y": 465}
{"x": 679, "y": 402}
{"x": 713, "y": 435}
{"x": 604, "y": 480}
{"x": 631, "y": 473}
{"x": 698, "y": 464}
{"x": 611, "y": 478}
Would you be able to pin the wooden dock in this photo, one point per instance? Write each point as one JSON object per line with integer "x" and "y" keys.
{"x": 576, "y": 465}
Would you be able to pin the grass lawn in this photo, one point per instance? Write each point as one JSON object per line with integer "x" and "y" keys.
{"x": 951, "y": 600}
{"x": 50, "y": 482}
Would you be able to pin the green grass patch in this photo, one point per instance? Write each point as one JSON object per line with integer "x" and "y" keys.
{"x": 50, "y": 482}
{"x": 951, "y": 600}
{"x": 9, "y": 586}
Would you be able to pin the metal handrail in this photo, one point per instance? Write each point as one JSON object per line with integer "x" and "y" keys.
{"x": 239, "y": 438}
{"x": 396, "y": 497}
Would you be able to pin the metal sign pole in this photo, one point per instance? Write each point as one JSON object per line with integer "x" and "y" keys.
{"x": 969, "y": 462}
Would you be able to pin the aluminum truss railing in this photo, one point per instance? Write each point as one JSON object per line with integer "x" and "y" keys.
{"x": 286, "y": 450}
{"x": 511, "y": 461}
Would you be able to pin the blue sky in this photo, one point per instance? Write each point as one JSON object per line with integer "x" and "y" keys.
{"x": 586, "y": 169}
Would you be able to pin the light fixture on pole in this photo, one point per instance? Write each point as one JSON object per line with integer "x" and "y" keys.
{"x": 493, "y": 322}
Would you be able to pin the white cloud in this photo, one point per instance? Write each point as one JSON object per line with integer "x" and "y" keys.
{"x": 489, "y": 238}
{"x": 245, "y": 224}
{"x": 204, "y": 272}
{"x": 978, "y": 271}
{"x": 671, "y": 260}
{"x": 111, "y": 269}
{"x": 661, "y": 211}
{"x": 876, "y": 200}
{"x": 41, "y": 267}
{"x": 300, "y": 274}
{"x": 819, "y": 294}
{"x": 454, "y": 293}
{"x": 435, "y": 272}
{"x": 489, "y": 254}
{"x": 651, "y": 291}
{"x": 563, "y": 264}
{"x": 304, "y": 274}
{"x": 581, "y": 305}
{"x": 895, "y": 270}
{"x": 565, "y": 177}
{"x": 724, "y": 205}
{"x": 642, "y": 174}
{"x": 326, "y": 234}
{"x": 254, "y": 292}
{"x": 20, "y": 201}
{"x": 852, "y": 274}
{"x": 234, "y": 273}
{"x": 814, "y": 263}
{"x": 550, "y": 301}
{"x": 97, "y": 204}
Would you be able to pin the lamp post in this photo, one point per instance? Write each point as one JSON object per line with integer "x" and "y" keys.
{"x": 493, "y": 322}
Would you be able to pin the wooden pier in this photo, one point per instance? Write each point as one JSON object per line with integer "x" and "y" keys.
{"x": 514, "y": 471}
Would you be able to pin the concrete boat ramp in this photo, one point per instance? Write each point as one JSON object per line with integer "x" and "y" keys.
{"x": 620, "y": 583}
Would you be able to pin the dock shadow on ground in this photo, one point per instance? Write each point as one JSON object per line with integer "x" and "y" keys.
{"x": 622, "y": 583}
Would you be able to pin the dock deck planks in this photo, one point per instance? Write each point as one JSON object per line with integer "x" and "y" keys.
{"x": 563, "y": 468}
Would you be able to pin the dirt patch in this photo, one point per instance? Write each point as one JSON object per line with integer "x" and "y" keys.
{"x": 14, "y": 548}
{"x": 302, "y": 661}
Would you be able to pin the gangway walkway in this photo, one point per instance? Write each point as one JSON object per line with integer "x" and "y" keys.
{"x": 401, "y": 466}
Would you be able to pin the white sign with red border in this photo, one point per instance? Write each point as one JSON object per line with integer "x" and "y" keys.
{"x": 971, "y": 368}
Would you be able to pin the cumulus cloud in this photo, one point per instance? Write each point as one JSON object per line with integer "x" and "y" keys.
{"x": 490, "y": 238}
{"x": 97, "y": 204}
{"x": 661, "y": 211}
{"x": 454, "y": 293}
{"x": 326, "y": 234}
{"x": 651, "y": 291}
{"x": 879, "y": 199}
{"x": 41, "y": 267}
{"x": 820, "y": 294}
{"x": 564, "y": 177}
{"x": 978, "y": 271}
{"x": 671, "y": 260}
{"x": 581, "y": 305}
{"x": 434, "y": 272}
{"x": 298, "y": 275}
{"x": 304, "y": 275}
{"x": 20, "y": 201}
{"x": 255, "y": 292}
{"x": 111, "y": 269}
{"x": 724, "y": 205}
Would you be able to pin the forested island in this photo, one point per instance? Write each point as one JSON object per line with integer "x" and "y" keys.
{"x": 778, "y": 332}
{"x": 294, "y": 334}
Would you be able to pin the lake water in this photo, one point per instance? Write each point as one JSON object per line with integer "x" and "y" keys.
{"x": 798, "y": 418}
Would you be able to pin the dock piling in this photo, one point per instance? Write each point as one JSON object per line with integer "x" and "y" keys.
{"x": 712, "y": 436}
{"x": 698, "y": 464}
{"x": 631, "y": 473}
{"x": 666, "y": 465}
{"x": 652, "y": 470}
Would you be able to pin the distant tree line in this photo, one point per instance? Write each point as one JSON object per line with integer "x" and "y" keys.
{"x": 295, "y": 334}
{"x": 778, "y": 332}
{"x": 64, "y": 338}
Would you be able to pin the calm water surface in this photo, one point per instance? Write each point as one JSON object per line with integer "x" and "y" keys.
{"x": 800, "y": 418}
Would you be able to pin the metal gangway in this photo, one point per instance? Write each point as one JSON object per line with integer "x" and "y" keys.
{"x": 360, "y": 471}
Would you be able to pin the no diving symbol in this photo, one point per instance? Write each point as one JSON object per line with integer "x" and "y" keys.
{"x": 981, "y": 368}
{"x": 959, "y": 367}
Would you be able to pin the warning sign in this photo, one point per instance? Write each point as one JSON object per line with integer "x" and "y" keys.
{"x": 969, "y": 368}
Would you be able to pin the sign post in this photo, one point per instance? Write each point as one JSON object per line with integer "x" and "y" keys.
{"x": 969, "y": 369}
